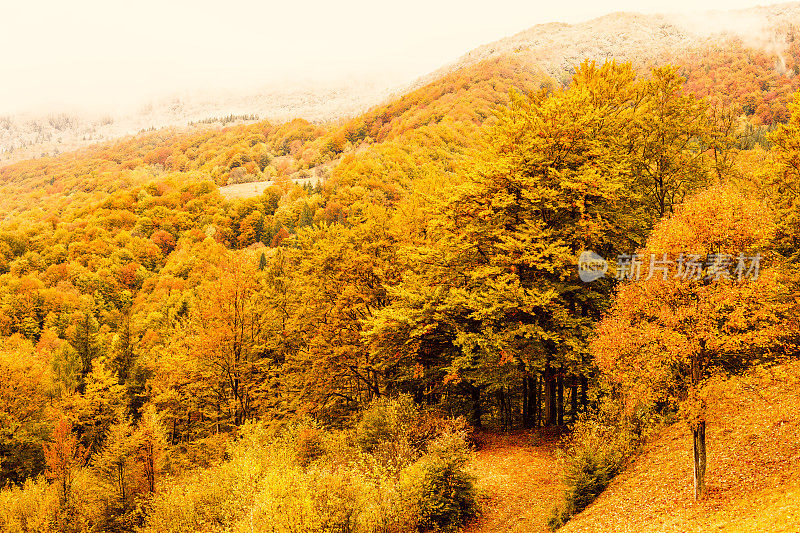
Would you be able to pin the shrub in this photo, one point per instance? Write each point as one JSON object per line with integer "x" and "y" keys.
{"x": 589, "y": 470}
{"x": 37, "y": 507}
{"x": 386, "y": 507}
{"x": 316, "y": 500}
{"x": 309, "y": 444}
{"x": 595, "y": 453}
{"x": 430, "y": 425}
{"x": 443, "y": 491}
{"x": 32, "y": 507}
{"x": 307, "y": 479}
{"x": 386, "y": 420}
{"x": 588, "y": 474}
{"x": 399, "y": 421}
{"x": 218, "y": 495}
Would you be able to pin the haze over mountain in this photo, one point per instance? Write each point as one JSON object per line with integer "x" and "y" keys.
{"x": 555, "y": 48}
{"x": 558, "y": 47}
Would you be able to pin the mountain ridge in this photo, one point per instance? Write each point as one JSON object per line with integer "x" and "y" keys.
{"x": 554, "y": 48}
{"x": 556, "y": 42}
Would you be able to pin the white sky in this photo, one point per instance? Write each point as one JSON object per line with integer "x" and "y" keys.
{"x": 99, "y": 54}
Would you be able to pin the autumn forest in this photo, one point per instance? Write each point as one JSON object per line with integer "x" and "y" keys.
{"x": 333, "y": 351}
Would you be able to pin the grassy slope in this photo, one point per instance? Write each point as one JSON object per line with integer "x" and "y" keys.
{"x": 753, "y": 475}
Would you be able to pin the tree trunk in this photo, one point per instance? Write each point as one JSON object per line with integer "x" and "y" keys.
{"x": 150, "y": 467}
{"x": 699, "y": 436}
{"x": 536, "y": 403}
{"x": 699, "y": 430}
{"x": 550, "y": 407}
{"x": 121, "y": 480}
{"x": 509, "y": 415}
{"x": 526, "y": 409}
{"x": 560, "y": 387}
{"x": 501, "y": 401}
{"x": 584, "y": 390}
{"x": 539, "y": 392}
{"x": 533, "y": 403}
{"x": 477, "y": 412}
{"x": 573, "y": 398}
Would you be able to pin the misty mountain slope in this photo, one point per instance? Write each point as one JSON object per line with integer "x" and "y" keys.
{"x": 749, "y": 58}
{"x": 32, "y": 135}
{"x": 558, "y": 47}
{"x": 426, "y": 130}
{"x": 433, "y": 125}
{"x": 552, "y": 49}
{"x": 642, "y": 39}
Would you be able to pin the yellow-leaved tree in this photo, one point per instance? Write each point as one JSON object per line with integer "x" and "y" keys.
{"x": 709, "y": 304}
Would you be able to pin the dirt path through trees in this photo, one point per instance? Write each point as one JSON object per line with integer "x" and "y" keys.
{"x": 520, "y": 482}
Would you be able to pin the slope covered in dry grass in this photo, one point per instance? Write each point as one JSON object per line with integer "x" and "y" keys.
{"x": 753, "y": 471}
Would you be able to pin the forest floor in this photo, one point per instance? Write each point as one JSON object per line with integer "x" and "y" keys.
{"x": 753, "y": 476}
{"x": 519, "y": 480}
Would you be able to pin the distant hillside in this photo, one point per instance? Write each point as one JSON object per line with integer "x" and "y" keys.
{"x": 754, "y": 49}
{"x": 643, "y": 39}
{"x": 438, "y": 123}
{"x": 753, "y": 65}
{"x": 34, "y": 135}
{"x": 749, "y": 58}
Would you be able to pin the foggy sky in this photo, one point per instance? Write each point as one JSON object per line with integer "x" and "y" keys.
{"x": 100, "y": 55}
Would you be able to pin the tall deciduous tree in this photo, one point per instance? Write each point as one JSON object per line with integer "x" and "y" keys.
{"x": 23, "y": 401}
{"x": 101, "y": 405}
{"x": 669, "y": 135}
{"x": 668, "y": 334}
{"x": 151, "y": 447}
{"x": 497, "y": 292}
{"x": 229, "y": 332}
{"x": 340, "y": 282}
{"x": 115, "y": 464}
{"x": 64, "y": 456}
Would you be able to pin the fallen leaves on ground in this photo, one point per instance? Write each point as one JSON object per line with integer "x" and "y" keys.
{"x": 753, "y": 440}
{"x": 519, "y": 479}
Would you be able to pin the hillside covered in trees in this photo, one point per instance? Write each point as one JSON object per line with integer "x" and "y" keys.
{"x": 328, "y": 356}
